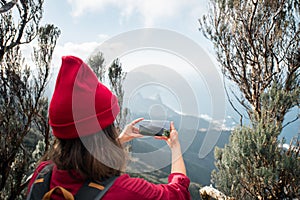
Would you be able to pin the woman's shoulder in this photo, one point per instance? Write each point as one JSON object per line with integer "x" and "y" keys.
{"x": 42, "y": 165}
{"x": 38, "y": 169}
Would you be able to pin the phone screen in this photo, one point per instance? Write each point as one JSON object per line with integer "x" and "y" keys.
{"x": 155, "y": 128}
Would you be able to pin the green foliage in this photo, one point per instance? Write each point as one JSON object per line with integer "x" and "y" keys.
{"x": 96, "y": 62}
{"x": 254, "y": 164}
{"x": 257, "y": 44}
{"x": 23, "y": 106}
{"x": 277, "y": 99}
{"x": 116, "y": 77}
{"x": 22, "y": 27}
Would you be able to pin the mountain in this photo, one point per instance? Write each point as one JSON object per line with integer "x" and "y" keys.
{"x": 193, "y": 131}
{"x": 154, "y": 108}
{"x": 156, "y": 154}
{"x": 157, "y": 176}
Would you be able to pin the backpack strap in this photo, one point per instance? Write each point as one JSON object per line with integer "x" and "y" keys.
{"x": 41, "y": 183}
{"x": 67, "y": 195}
{"x": 40, "y": 189}
{"x": 95, "y": 190}
{"x": 110, "y": 182}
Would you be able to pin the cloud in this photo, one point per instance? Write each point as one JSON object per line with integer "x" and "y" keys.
{"x": 82, "y": 50}
{"x": 206, "y": 117}
{"x": 103, "y": 37}
{"x": 220, "y": 125}
{"x": 151, "y": 11}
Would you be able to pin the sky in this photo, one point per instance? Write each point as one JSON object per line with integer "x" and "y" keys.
{"x": 86, "y": 25}
{"x": 94, "y": 20}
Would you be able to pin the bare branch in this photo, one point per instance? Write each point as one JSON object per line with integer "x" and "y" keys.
{"x": 292, "y": 121}
{"x": 231, "y": 103}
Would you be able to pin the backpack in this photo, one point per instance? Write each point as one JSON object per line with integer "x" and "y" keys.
{"x": 40, "y": 189}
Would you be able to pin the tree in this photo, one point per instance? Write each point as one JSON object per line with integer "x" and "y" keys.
{"x": 257, "y": 44}
{"x": 29, "y": 14}
{"x": 116, "y": 77}
{"x": 23, "y": 105}
{"x": 254, "y": 165}
{"x": 96, "y": 62}
{"x": 7, "y": 6}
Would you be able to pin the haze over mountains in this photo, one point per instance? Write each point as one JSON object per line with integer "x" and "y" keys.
{"x": 195, "y": 130}
{"x": 192, "y": 132}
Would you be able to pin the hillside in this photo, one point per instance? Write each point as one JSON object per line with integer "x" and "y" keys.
{"x": 158, "y": 177}
{"x": 199, "y": 170}
{"x": 151, "y": 158}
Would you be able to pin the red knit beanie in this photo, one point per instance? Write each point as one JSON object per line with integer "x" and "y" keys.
{"x": 80, "y": 105}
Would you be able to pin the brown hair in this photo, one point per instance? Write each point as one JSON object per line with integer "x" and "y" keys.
{"x": 96, "y": 157}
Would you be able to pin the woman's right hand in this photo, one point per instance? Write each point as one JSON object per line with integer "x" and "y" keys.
{"x": 178, "y": 165}
{"x": 173, "y": 140}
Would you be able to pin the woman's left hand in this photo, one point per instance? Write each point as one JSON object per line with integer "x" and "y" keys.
{"x": 130, "y": 132}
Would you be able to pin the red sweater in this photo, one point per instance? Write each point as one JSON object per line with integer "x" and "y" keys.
{"x": 124, "y": 186}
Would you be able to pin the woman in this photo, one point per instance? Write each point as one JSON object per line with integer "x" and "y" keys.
{"x": 88, "y": 147}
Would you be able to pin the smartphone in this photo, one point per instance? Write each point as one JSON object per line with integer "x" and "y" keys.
{"x": 155, "y": 128}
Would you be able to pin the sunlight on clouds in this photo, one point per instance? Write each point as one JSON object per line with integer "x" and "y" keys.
{"x": 82, "y": 50}
{"x": 206, "y": 117}
{"x": 151, "y": 11}
{"x": 156, "y": 10}
{"x": 79, "y": 7}
{"x": 103, "y": 37}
